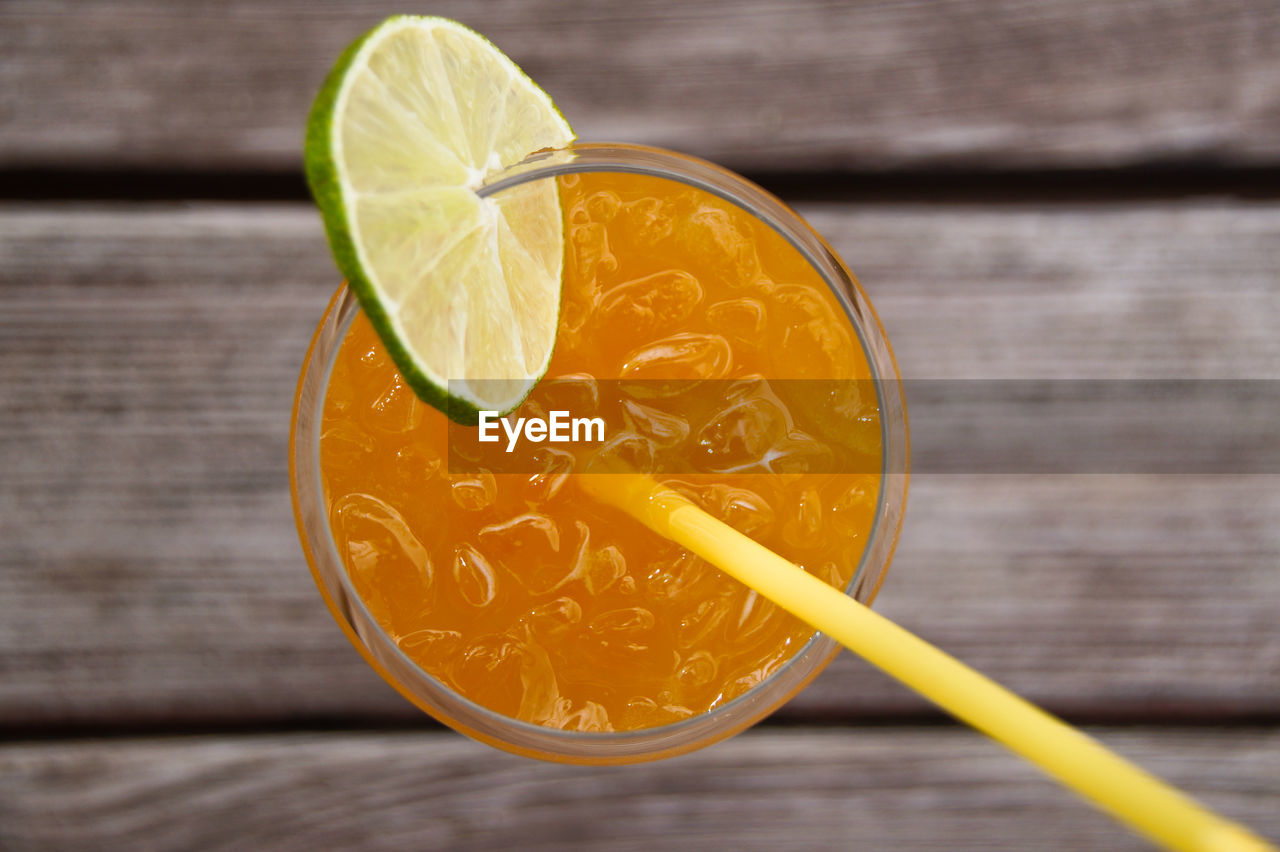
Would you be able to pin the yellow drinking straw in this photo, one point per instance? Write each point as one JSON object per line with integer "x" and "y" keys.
{"x": 1131, "y": 795}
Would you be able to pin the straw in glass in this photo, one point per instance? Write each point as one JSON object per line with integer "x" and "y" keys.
{"x": 1131, "y": 795}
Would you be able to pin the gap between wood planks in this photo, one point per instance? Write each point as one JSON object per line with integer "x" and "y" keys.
{"x": 1151, "y": 182}
{"x": 185, "y": 727}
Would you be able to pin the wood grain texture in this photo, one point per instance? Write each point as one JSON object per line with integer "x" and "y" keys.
{"x": 871, "y": 789}
{"x": 150, "y": 573}
{"x": 763, "y": 84}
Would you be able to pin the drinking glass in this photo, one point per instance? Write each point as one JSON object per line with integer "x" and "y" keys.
{"x": 511, "y": 734}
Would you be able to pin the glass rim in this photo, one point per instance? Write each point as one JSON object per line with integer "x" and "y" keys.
{"x": 478, "y": 721}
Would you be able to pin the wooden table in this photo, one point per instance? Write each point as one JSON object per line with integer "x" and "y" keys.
{"x": 1054, "y": 189}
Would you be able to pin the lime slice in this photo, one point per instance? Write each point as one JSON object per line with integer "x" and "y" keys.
{"x": 463, "y": 291}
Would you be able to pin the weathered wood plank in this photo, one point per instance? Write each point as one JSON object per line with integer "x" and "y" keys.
{"x": 1076, "y": 291}
{"x": 149, "y": 570}
{"x": 758, "y": 85}
{"x": 879, "y": 788}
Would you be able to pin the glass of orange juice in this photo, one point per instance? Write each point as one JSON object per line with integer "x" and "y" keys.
{"x": 707, "y": 335}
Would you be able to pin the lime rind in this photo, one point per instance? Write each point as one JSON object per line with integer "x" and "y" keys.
{"x": 463, "y": 291}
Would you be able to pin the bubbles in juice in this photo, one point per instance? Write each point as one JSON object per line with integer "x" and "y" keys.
{"x": 699, "y": 333}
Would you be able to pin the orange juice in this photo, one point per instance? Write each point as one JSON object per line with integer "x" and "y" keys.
{"x": 711, "y": 348}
